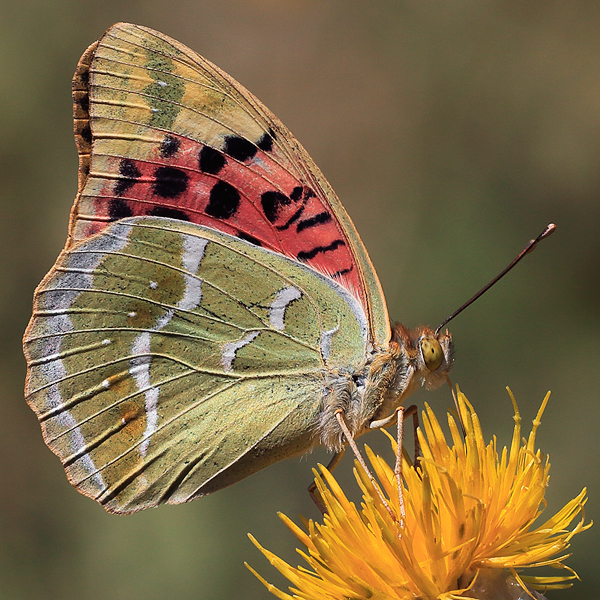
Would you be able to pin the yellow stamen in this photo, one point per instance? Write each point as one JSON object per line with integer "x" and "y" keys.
{"x": 468, "y": 513}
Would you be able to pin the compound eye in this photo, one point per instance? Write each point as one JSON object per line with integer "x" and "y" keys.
{"x": 432, "y": 353}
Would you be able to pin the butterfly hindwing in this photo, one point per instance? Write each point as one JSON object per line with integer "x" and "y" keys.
{"x": 163, "y": 132}
{"x": 167, "y": 360}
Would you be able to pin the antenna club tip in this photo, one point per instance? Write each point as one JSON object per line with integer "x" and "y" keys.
{"x": 550, "y": 229}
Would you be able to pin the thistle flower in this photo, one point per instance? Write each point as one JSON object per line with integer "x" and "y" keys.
{"x": 465, "y": 527}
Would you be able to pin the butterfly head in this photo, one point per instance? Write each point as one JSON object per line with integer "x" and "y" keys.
{"x": 429, "y": 354}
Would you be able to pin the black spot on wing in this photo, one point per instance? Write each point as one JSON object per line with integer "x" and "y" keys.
{"x": 296, "y": 193}
{"x": 249, "y": 238}
{"x": 119, "y": 209}
{"x": 224, "y": 201}
{"x": 211, "y": 160}
{"x": 323, "y": 217}
{"x": 84, "y": 76}
{"x": 171, "y": 213}
{"x": 271, "y": 204}
{"x": 169, "y": 182}
{"x": 265, "y": 143}
{"x": 307, "y": 255}
{"x": 169, "y": 146}
{"x": 292, "y": 219}
{"x": 84, "y": 102}
{"x": 129, "y": 176}
{"x": 86, "y": 133}
{"x": 239, "y": 148}
{"x": 341, "y": 272}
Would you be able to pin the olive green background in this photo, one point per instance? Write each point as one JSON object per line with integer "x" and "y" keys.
{"x": 453, "y": 131}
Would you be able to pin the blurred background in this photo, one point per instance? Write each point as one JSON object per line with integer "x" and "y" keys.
{"x": 452, "y": 131}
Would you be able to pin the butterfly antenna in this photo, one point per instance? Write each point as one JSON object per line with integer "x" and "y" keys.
{"x": 530, "y": 246}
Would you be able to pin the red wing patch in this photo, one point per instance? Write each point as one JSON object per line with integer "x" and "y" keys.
{"x": 255, "y": 200}
{"x": 133, "y": 100}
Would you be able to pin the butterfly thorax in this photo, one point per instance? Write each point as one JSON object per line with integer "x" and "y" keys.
{"x": 369, "y": 395}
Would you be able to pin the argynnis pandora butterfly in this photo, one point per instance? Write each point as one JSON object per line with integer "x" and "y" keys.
{"x": 214, "y": 305}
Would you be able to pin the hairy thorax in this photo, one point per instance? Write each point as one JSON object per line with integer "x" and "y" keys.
{"x": 372, "y": 393}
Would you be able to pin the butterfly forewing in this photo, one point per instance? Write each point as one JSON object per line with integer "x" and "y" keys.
{"x": 173, "y": 136}
{"x": 165, "y": 358}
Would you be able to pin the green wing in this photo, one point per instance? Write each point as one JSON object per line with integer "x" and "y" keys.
{"x": 167, "y": 360}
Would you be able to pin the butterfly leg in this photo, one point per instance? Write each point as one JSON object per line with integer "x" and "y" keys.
{"x": 398, "y": 466}
{"x": 393, "y": 419}
{"x": 339, "y": 414}
{"x": 312, "y": 488}
{"x": 412, "y": 410}
{"x": 385, "y": 422}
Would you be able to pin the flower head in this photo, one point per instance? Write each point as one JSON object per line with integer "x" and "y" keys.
{"x": 466, "y": 528}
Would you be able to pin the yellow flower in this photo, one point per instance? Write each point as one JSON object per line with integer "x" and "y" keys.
{"x": 465, "y": 529}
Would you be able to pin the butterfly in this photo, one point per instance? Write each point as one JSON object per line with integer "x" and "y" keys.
{"x": 214, "y": 306}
